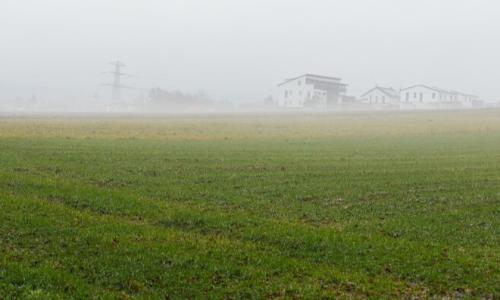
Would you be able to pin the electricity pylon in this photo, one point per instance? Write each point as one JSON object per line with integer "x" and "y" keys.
{"x": 117, "y": 85}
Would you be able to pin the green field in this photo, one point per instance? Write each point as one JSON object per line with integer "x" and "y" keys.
{"x": 389, "y": 205}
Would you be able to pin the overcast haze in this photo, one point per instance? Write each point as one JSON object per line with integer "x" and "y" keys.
{"x": 240, "y": 50}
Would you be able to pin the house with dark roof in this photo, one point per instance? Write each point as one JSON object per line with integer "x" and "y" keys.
{"x": 381, "y": 96}
{"x": 311, "y": 90}
{"x": 429, "y": 97}
{"x": 468, "y": 100}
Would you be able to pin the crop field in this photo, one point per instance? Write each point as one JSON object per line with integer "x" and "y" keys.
{"x": 385, "y": 205}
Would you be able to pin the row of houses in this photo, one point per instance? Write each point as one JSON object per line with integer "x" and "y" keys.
{"x": 318, "y": 91}
{"x": 419, "y": 97}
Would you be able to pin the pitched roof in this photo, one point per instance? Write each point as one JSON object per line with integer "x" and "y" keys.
{"x": 465, "y": 94}
{"x": 440, "y": 90}
{"x": 388, "y": 91}
{"x": 320, "y": 77}
{"x": 428, "y": 87}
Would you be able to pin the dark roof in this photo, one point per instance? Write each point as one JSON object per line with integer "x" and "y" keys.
{"x": 388, "y": 91}
{"x": 322, "y": 77}
{"x": 314, "y": 76}
{"x": 440, "y": 90}
{"x": 464, "y": 94}
{"x": 425, "y": 86}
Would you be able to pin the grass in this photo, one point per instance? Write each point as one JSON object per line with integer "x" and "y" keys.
{"x": 395, "y": 205}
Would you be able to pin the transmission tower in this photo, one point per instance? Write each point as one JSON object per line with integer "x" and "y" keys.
{"x": 116, "y": 81}
{"x": 117, "y": 85}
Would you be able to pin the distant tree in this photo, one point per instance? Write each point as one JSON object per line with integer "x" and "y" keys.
{"x": 269, "y": 101}
{"x": 19, "y": 102}
{"x": 140, "y": 100}
{"x": 177, "y": 99}
{"x": 33, "y": 101}
{"x": 202, "y": 96}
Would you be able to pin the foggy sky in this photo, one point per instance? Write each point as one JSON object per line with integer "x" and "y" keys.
{"x": 240, "y": 50}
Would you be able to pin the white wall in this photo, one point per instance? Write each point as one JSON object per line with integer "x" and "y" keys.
{"x": 295, "y": 92}
{"x": 467, "y": 100}
{"x": 419, "y": 94}
{"x": 377, "y": 96}
{"x": 449, "y": 97}
{"x": 290, "y": 93}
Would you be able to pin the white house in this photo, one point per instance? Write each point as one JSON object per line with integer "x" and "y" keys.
{"x": 467, "y": 100}
{"x": 381, "y": 97}
{"x": 311, "y": 91}
{"x": 425, "y": 97}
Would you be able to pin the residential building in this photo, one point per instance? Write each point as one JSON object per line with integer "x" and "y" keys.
{"x": 381, "y": 97}
{"x": 311, "y": 91}
{"x": 469, "y": 101}
{"x": 425, "y": 97}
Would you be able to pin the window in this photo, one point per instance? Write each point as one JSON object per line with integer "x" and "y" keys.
{"x": 308, "y": 94}
{"x": 414, "y": 95}
{"x": 371, "y": 98}
{"x": 376, "y": 98}
{"x": 286, "y": 94}
{"x": 421, "y": 97}
{"x": 383, "y": 99}
{"x": 407, "y": 96}
{"x": 299, "y": 82}
{"x": 433, "y": 95}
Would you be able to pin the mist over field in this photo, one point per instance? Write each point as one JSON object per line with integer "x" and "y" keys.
{"x": 249, "y": 149}
{"x": 226, "y": 55}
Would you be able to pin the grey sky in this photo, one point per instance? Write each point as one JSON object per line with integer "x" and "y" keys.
{"x": 239, "y": 50}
